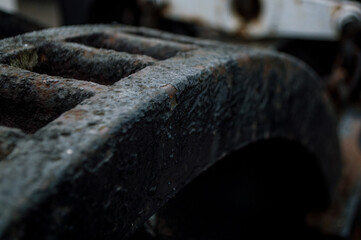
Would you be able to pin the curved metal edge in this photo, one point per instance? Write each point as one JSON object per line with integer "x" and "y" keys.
{"x": 178, "y": 133}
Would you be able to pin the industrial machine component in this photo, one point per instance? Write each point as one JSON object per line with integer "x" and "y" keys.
{"x": 106, "y": 123}
{"x": 308, "y": 19}
{"x": 342, "y": 218}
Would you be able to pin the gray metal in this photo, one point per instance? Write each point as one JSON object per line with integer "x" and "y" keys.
{"x": 116, "y": 120}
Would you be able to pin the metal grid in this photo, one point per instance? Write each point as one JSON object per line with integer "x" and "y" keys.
{"x": 107, "y": 122}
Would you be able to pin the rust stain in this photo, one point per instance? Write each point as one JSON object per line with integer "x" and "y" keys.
{"x": 89, "y": 54}
{"x": 214, "y": 72}
{"x": 243, "y": 60}
{"x": 243, "y": 30}
{"x": 187, "y": 48}
{"x": 329, "y": 220}
{"x": 111, "y": 40}
{"x": 200, "y": 67}
{"x": 219, "y": 71}
{"x": 336, "y": 9}
{"x": 171, "y": 91}
{"x": 165, "y": 9}
{"x": 103, "y": 130}
{"x": 351, "y": 153}
{"x": 43, "y": 57}
{"x": 44, "y": 89}
{"x": 143, "y": 72}
{"x": 75, "y": 114}
{"x": 222, "y": 70}
{"x": 198, "y": 21}
{"x": 78, "y": 114}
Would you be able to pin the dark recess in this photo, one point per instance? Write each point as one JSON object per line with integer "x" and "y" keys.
{"x": 263, "y": 190}
{"x": 132, "y": 45}
{"x": 248, "y": 9}
{"x": 27, "y": 115}
{"x": 77, "y": 63}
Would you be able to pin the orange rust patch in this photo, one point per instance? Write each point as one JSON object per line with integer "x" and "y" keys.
{"x": 111, "y": 40}
{"x": 89, "y": 54}
{"x": 143, "y": 72}
{"x": 216, "y": 72}
{"x": 91, "y": 86}
{"x": 351, "y": 157}
{"x": 243, "y": 31}
{"x": 351, "y": 153}
{"x": 103, "y": 130}
{"x": 43, "y": 57}
{"x": 170, "y": 90}
{"x": 243, "y": 60}
{"x": 222, "y": 70}
{"x": 186, "y": 48}
{"x": 76, "y": 114}
{"x": 43, "y": 89}
{"x": 200, "y": 67}
{"x": 165, "y": 9}
{"x": 336, "y": 9}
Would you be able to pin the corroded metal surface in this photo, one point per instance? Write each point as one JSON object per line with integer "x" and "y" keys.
{"x": 342, "y": 218}
{"x": 116, "y": 120}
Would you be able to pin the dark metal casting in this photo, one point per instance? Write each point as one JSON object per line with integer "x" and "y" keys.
{"x": 106, "y": 123}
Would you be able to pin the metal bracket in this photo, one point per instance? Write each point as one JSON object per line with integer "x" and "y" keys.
{"x": 309, "y": 19}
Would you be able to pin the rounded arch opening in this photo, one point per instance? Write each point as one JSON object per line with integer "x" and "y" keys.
{"x": 264, "y": 189}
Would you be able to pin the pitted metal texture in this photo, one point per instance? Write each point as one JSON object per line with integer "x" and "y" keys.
{"x": 108, "y": 122}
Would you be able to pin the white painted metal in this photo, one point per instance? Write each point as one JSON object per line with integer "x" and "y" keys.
{"x": 215, "y": 13}
{"x": 311, "y": 19}
{"x": 318, "y": 19}
{"x": 8, "y": 5}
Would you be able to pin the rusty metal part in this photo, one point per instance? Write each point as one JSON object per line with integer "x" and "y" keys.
{"x": 344, "y": 83}
{"x": 342, "y": 218}
{"x": 112, "y": 134}
{"x": 249, "y": 9}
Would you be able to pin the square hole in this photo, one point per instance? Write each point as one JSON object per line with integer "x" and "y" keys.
{"x": 122, "y": 42}
{"x": 29, "y": 103}
{"x": 71, "y": 60}
{"x": 28, "y": 116}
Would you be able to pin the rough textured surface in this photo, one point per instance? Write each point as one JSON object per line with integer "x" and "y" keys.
{"x": 107, "y": 150}
{"x": 9, "y": 137}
